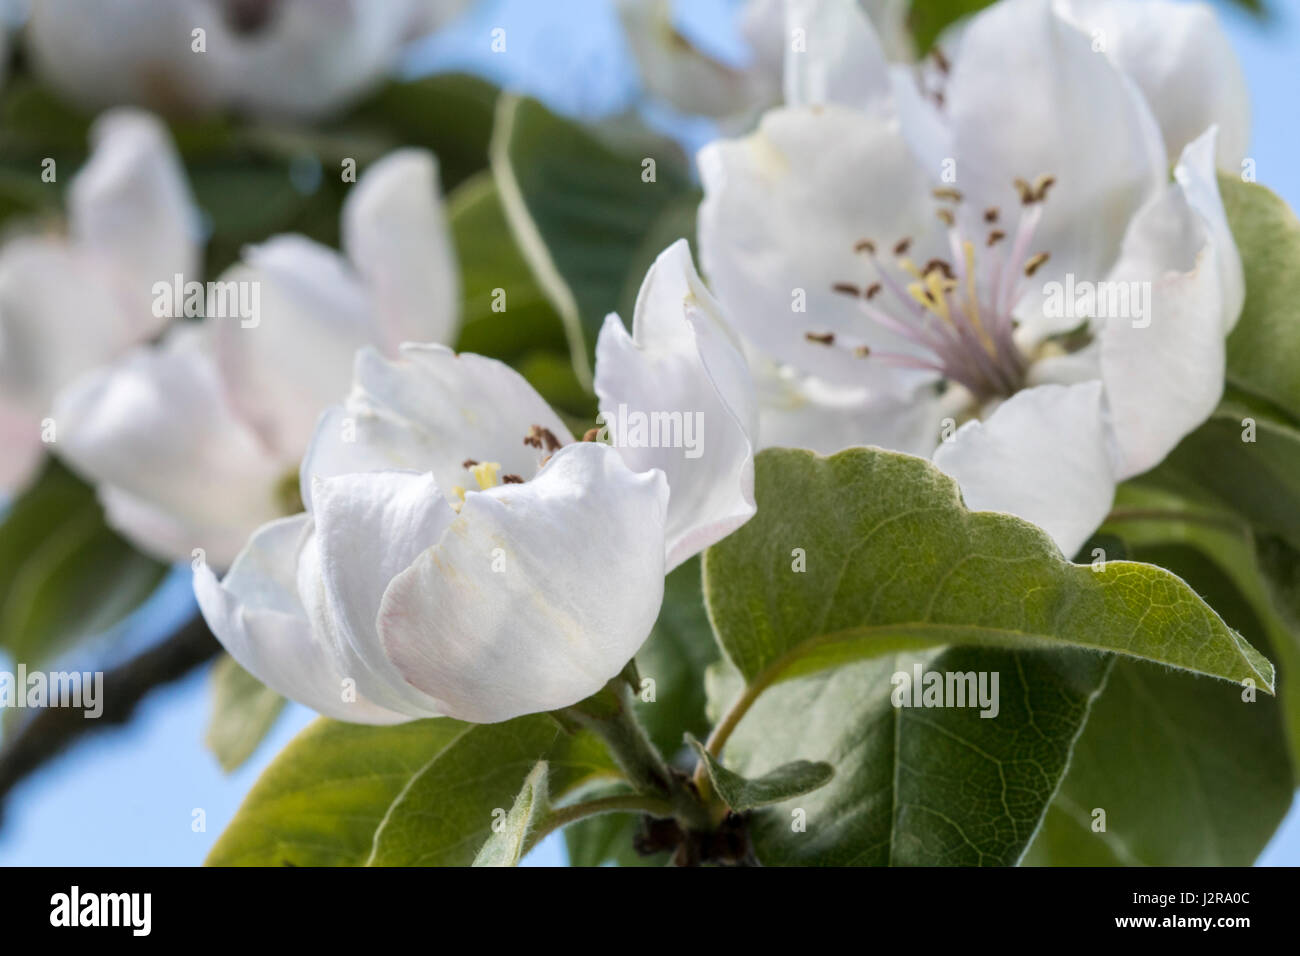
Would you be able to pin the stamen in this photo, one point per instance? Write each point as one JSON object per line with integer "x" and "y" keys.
{"x": 538, "y": 436}
{"x": 821, "y": 338}
{"x": 511, "y": 480}
{"x": 1035, "y": 262}
{"x": 468, "y": 463}
{"x": 957, "y": 309}
{"x": 591, "y": 434}
{"x": 486, "y": 474}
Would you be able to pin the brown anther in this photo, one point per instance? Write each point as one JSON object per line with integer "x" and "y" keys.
{"x": 946, "y": 193}
{"x": 873, "y": 290}
{"x": 996, "y": 236}
{"x": 901, "y": 247}
{"x": 946, "y": 217}
{"x": 938, "y": 265}
{"x": 591, "y": 434}
{"x": 991, "y": 214}
{"x": 847, "y": 288}
{"x": 865, "y": 245}
{"x": 1035, "y": 262}
{"x": 511, "y": 480}
{"x": 1027, "y": 195}
{"x": 1041, "y": 185}
{"x": 862, "y": 351}
{"x": 538, "y": 436}
{"x": 468, "y": 463}
{"x": 821, "y": 338}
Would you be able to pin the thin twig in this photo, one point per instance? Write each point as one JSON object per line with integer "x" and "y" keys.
{"x": 54, "y": 729}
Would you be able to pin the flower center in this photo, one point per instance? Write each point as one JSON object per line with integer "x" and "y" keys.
{"x": 959, "y": 310}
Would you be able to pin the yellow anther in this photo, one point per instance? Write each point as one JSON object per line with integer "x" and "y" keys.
{"x": 458, "y": 492}
{"x": 487, "y": 474}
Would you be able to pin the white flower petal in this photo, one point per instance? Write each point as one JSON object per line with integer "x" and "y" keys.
{"x": 256, "y": 615}
{"x": 683, "y": 369}
{"x": 130, "y": 51}
{"x": 20, "y": 437}
{"x": 1041, "y": 455}
{"x": 131, "y": 207}
{"x": 1181, "y": 59}
{"x": 841, "y": 60}
{"x": 1164, "y": 371}
{"x": 431, "y": 410}
{"x": 313, "y": 58}
{"x": 283, "y": 368}
{"x": 58, "y": 318}
{"x": 798, "y": 411}
{"x": 370, "y": 528}
{"x": 1029, "y": 97}
{"x": 582, "y": 550}
{"x": 395, "y": 232}
{"x": 676, "y": 70}
{"x": 177, "y": 469}
{"x": 783, "y": 209}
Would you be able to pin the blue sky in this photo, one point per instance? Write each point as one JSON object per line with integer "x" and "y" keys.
{"x": 127, "y": 796}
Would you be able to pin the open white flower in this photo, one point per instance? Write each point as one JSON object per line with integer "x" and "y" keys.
{"x": 462, "y": 555}
{"x": 71, "y": 302}
{"x": 295, "y": 58}
{"x": 1012, "y": 261}
{"x": 196, "y": 442}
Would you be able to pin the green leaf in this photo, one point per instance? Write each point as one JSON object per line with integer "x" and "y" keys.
{"x": 504, "y": 313}
{"x": 1260, "y": 479}
{"x": 915, "y": 786}
{"x": 893, "y": 561}
{"x": 243, "y": 713}
{"x": 421, "y": 792}
{"x": 929, "y": 18}
{"x": 1186, "y": 773}
{"x": 64, "y": 574}
{"x": 1264, "y": 347}
{"x": 449, "y": 113}
{"x": 505, "y": 847}
{"x": 580, "y": 211}
{"x": 785, "y": 782}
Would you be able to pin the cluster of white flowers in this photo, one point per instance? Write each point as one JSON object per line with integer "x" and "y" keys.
{"x": 880, "y": 248}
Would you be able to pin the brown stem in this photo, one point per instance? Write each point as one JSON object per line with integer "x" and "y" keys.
{"x": 53, "y": 729}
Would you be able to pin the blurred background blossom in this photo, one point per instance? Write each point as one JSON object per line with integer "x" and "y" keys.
{"x": 310, "y": 80}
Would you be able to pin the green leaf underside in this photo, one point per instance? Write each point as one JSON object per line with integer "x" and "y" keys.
{"x": 243, "y": 712}
{"x": 1260, "y": 479}
{"x": 785, "y": 782}
{"x": 895, "y": 563}
{"x": 419, "y": 793}
{"x": 580, "y": 211}
{"x": 1161, "y": 517}
{"x": 916, "y": 786}
{"x": 505, "y": 847}
{"x": 1187, "y": 773}
{"x": 1264, "y": 347}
